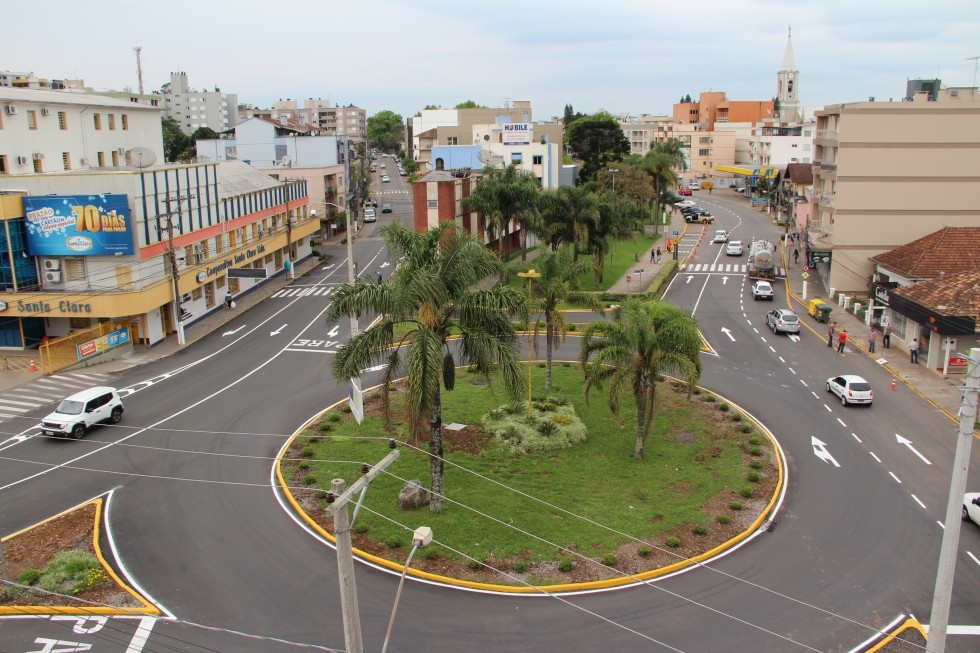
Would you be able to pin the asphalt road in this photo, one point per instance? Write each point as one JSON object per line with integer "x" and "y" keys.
{"x": 198, "y": 527}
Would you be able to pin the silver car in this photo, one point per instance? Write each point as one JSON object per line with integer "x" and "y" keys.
{"x": 781, "y": 320}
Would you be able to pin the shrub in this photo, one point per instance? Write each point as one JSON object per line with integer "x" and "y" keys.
{"x": 334, "y": 417}
{"x": 392, "y": 387}
{"x": 541, "y": 365}
{"x": 326, "y": 427}
{"x": 696, "y": 390}
{"x": 723, "y": 519}
{"x": 710, "y": 399}
{"x": 321, "y": 494}
{"x": 756, "y": 464}
{"x": 756, "y": 451}
{"x": 746, "y": 492}
{"x": 429, "y": 553}
{"x": 344, "y": 409}
{"x": 309, "y": 479}
{"x": 753, "y": 477}
{"x": 312, "y": 439}
{"x": 394, "y": 542}
{"x": 566, "y": 364}
{"x": 570, "y": 327}
{"x": 754, "y": 439}
{"x": 28, "y": 577}
{"x": 673, "y": 542}
{"x": 736, "y": 417}
{"x": 566, "y": 564}
{"x": 475, "y": 564}
{"x": 609, "y": 560}
{"x": 307, "y": 452}
{"x": 361, "y": 527}
{"x": 735, "y": 505}
{"x": 746, "y": 428}
{"x": 520, "y": 566}
{"x": 724, "y": 408}
{"x": 645, "y": 551}
{"x": 304, "y": 465}
{"x": 700, "y": 529}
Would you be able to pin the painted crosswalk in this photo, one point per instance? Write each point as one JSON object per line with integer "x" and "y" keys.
{"x": 295, "y": 292}
{"x": 731, "y": 268}
{"x": 46, "y": 390}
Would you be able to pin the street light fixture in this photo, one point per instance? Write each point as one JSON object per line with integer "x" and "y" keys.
{"x": 529, "y": 275}
{"x": 422, "y": 537}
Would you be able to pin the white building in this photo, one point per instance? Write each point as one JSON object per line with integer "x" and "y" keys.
{"x": 194, "y": 109}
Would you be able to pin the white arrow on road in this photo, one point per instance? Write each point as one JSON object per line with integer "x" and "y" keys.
{"x": 820, "y": 449}
{"x": 376, "y": 368}
{"x": 724, "y": 280}
{"x": 231, "y": 333}
{"x": 908, "y": 443}
{"x": 333, "y": 331}
{"x": 278, "y": 331}
{"x": 385, "y": 264}
{"x": 728, "y": 333}
{"x": 689, "y": 277}
{"x": 327, "y": 267}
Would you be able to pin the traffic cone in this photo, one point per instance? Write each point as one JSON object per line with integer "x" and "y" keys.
{"x": 893, "y": 384}
{"x": 32, "y": 367}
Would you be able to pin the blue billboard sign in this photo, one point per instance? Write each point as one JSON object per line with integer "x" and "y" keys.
{"x": 78, "y": 225}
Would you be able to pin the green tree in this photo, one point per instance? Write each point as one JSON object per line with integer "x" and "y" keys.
{"x": 598, "y": 140}
{"x": 619, "y": 217}
{"x": 428, "y": 299}
{"x": 570, "y": 115}
{"x": 469, "y": 104}
{"x": 641, "y": 342}
{"x": 558, "y": 283}
{"x": 505, "y": 196}
{"x": 175, "y": 141}
{"x": 662, "y": 163}
{"x": 567, "y": 212}
{"x": 386, "y": 130}
{"x": 200, "y": 134}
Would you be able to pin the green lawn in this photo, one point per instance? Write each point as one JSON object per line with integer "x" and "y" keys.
{"x": 504, "y": 506}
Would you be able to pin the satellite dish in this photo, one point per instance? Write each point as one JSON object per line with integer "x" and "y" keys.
{"x": 141, "y": 157}
{"x": 489, "y": 159}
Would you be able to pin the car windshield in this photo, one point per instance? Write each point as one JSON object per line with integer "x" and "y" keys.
{"x": 860, "y": 386}
{"x": 70, "y": 407}
{"x": 790, "y": 318}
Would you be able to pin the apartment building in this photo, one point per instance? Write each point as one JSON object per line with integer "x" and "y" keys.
{"x": 194, "y": 109}
{"x": 322, "y": 115}
{"x": 885, "y": 174}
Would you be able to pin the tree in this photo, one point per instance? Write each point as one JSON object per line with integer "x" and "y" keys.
{"x": 505, "y": 196}
{"x": 558, "y": 283}
{"x": 385, "y": 130}
{"x": 597, "y": 140}
{"x": 618, "y": 218}
{"x": 570, "y": 116}
{"x": 200, "y": 134}
{"x": 175, "y": 141}
{"x": 640, "y": 343}
{"x": 429, "y": 298}
{"x": 567, "y": 212}
{"x": 469, "y": 104}
{"x": 662, "y": 163}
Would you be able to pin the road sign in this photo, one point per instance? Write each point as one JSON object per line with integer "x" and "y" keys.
{"x": 629, "y": 279}
{"x": 806, "y": 268}
{"x": 676, "y": 234}
{"x": 805, "y": 276}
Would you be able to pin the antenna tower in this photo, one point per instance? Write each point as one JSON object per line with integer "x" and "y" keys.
{"x": 139, "y": 66}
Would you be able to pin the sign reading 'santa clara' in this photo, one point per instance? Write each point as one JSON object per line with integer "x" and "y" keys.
{"x": 78, "y": 225}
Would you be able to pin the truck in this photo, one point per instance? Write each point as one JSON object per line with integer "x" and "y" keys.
{"x": 762, "y": 264}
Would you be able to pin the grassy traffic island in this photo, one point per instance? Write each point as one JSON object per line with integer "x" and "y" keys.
{"x": 549, "y": 501}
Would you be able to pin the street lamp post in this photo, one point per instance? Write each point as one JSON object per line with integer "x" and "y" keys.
{"x": 529, "y": 275}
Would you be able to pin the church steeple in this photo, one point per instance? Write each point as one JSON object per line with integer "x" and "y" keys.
{"x": 787, "y": 84}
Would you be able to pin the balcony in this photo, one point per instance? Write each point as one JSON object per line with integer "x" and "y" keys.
{"x": 827, "y": 135}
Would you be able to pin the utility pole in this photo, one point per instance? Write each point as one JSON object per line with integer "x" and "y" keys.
{"x": 139, "y": 66}
{"x": 943, "y": 594}
{"x": 338, "y": 498}
{"x": 289, "y": 238}
{"x": 175, "y": 275}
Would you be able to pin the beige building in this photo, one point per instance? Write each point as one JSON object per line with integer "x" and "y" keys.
{"x": 322, "y": 115}
{"x": 885, "y": 174}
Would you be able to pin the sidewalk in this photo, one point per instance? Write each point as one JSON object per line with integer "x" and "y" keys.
{"x": 639, "y": 276}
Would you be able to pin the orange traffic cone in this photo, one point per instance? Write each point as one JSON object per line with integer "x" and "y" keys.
{"x": 893, "y": 384}
{"x": 32, "y": 367}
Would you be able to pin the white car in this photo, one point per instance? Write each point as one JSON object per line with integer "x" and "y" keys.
{"x": 83, "y": 410}
{"x": 851, "y": 388}
{"x": 762, "y": 290}
{"x": 385, "y": 179}
{"x": 971, "y": 507}
{"x": 370, "y": 215}
{"x": 734, "y": 248}
{"x": 721, "y": 236}
{"x": 681, "y": 205}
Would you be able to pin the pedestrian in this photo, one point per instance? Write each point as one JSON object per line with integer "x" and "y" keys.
{"x": 379, "y": 278}
{"x": 653, "y": 255}
{"x": 796, "y": 256}
{"x": 872, "y": 336}
{"x": 831, "y": 332}
{"x": 841, "y": 341}
{"x": 886, "y": 337}
{"x": 228, "y": 300}
{"x": 914, "y": 350}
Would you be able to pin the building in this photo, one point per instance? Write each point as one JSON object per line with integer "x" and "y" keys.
{"x": 55, "y": 131}
{"x": 788, "y": 86}
{"x": 885, "y": 174}
{"x": 195, "y": 109}
{"x": 438, "y": 197}
{"x": 29, "y": 80}
{"x": 327, "y": 119}
{"x": 714, "y": 107}
{"x": 294, "y": 152}
{"x": 146, "y": 250}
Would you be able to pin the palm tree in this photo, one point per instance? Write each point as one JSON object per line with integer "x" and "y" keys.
{"x": 506, "y": 196}
{"x": 429, "y": 298}
{"x": 618, "y": 219}
{"x": 568, "y": 211}
{"x": 559, "y": 282}
{"x": 661, "y": 168}
{"x": 640, "y": 343}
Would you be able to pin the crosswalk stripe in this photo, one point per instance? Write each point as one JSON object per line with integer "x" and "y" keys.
{"x": 15, "y": 409}
{"x": 33, "y": 404}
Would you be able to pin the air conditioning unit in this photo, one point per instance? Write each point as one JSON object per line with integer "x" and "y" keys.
{"x": 45, "y": 111}
{"x": 181, "y": 258}
{"x": 52, "y": 264}
{"x": 52, "y": 276}
{"x": 38, "y": 156}
{"x": 84, "y": 162}
{"x": 261, "y": 231}
{"x": 22, "y": 160}
{"x": 10, "y": 110}
{"x": 121, "y": 150}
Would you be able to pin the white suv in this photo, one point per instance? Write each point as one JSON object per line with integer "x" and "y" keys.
{"x": 83, "y": 410}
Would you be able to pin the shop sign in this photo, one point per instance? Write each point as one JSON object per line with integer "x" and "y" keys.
{"x": 102, "y": 343}
{"x": 78, "y": 225}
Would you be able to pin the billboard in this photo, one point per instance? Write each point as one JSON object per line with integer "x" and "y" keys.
{"x": 518, "y": 133}
{"x": 78, "y": 225}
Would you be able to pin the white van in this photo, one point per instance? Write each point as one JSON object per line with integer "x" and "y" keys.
{"x": 694, "y": 184}
{"x": 83, "y": 410}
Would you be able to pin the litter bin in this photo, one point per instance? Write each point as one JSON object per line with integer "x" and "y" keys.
{"x": 820, "y": 311}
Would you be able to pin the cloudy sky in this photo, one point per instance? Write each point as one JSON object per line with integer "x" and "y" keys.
{"x": 629, "y": 56}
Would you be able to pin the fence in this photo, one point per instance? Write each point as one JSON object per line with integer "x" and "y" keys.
{"x": 62, "y": 353}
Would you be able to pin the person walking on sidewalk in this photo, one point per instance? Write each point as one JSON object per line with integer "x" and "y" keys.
{"x": 914, "y": 350}
{"x": 841, "y": 341}
{"x": 796, "y": 256}
{"x": 886, "y": 337}
{"x": 653, "y": 255}
{"x": 872, "y": 337}
{"x": 831, "y": 332}
{"x": 659, "y": 254}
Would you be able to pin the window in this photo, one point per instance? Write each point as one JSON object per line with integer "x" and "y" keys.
{"x": 32, "y": 119}
{"x": 101, "y": 159}
{"x": 198, "y": 253}
{"x": 74, "y": 269}
{"x": 704, "y": 152}
{"x": 115, "y": 158}
{"x": 452, "y": 140}
{"x": 4, "y": 165}
{"x": 537, "y": 159}
{"x": 125, "y": 122}
{"x": 209, "y": 294}
{"x": 233, "y": 286}
{"x": 62, "y": 120}
{"x": 80, "y": 322}
{"x": 220, "y": 281}
{"x": 38, "y": 164}
{"x": 112, "y": 121}
{"x": 97, "y": 120}
{"x": 66, "y": 160}
{"x": 197, "y": 293}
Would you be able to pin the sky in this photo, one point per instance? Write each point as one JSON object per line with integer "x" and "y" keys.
{"x": 629, "y": 57}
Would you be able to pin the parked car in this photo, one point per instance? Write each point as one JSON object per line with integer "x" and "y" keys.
{"x": 684, "y": 203}
{"x": 782, "y": 320}
{"x": 402, "y": 173}
{"x": 971, "y": 507}
{"x": 851, "y": 389}
{"x": 685, "y": 191}
{"x": 83, "y": 410}
{"x": 740, "y": 189}
{"x": 370, "y": 215}
{"x": 721, "y": 236}
{"x": 734, "y": 248}
{"x": 762, "y": 290}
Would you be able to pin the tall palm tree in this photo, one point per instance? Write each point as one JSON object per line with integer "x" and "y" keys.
{"x": 640, "y": 342}
{"x": 569, "y": 210}
{"x": 661, "y": 168}
{"x": 618, "y": 218}
{"x": 504, "y": 197}
{"x": 429, "y": 298}
{"x": 559, "y": 282}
